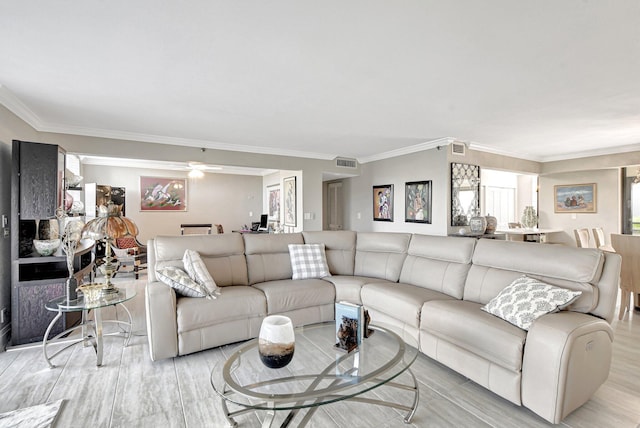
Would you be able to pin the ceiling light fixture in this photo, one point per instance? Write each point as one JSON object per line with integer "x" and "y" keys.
{"x": 196, "y": 173}
{"x": 196, "y": 170}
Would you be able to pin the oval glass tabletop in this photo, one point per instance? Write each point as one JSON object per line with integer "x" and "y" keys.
{"x": 126, "y": 292}
{"x": 319, "y": 373}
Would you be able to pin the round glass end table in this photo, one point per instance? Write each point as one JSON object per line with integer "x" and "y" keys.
{"x": 318, "y": 374}
{"x": 91, "y": 330}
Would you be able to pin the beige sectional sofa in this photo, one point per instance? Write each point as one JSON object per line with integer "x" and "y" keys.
{"x": 430, "y": 288}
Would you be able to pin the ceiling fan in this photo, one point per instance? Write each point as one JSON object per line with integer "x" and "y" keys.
{"x": 197, "y": 169}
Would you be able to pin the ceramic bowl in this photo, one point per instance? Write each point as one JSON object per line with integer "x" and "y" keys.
{"x": 46, "y": 247}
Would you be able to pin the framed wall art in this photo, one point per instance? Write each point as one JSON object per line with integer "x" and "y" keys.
{"x": 417, "y": 202}
{"x": 289, "y": 193}
{"x": 383, "y": 202}
{"x": 163, "y": 194}
{"x": 575, "y": 198}
{"x": 273, "y": 195}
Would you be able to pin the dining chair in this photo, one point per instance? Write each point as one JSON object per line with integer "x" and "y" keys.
{"x": 582, "y": 237}
{"x": 195, "y": 229}
{"x": 598, "y": 237}
{"x": 628, "y": 246}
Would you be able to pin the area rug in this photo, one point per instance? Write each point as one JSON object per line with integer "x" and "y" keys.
{"x": 41, "y": 416}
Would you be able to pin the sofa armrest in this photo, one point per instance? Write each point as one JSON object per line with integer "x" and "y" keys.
{"x": 567, "y": 356}
{"x": 162, "y": 327}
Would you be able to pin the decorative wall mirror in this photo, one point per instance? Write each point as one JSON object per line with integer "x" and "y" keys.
{"x": 465, "y": 193}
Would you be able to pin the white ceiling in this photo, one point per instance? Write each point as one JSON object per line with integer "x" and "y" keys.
{"x": 542, "y": 80}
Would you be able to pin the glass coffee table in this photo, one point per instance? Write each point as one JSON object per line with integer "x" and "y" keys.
{"x": 91, "y": 330}
{"x": 318, "y": 374}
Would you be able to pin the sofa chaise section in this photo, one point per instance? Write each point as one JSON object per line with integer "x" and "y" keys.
{"x": 564, "y": 357}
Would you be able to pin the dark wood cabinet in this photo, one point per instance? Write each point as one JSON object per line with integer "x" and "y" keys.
{"x": 37, "y": 190}
{"x": 41, "y": 171}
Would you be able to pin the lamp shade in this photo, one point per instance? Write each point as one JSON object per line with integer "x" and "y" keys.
{"x": 113, "y": 225}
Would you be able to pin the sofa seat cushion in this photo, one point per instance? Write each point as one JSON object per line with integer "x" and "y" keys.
{"x": 233, "y": 303}
{"x": 289, "y": 294}
{"x": 401, "y": 301}
{"x": 465, "y": 325}
{"x": 348, "y": 287}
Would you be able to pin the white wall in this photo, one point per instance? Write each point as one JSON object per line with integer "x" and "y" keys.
{"x": 607, "y": 213}
{"x": 224, "y": 199}
{"x": 427, "y": 165}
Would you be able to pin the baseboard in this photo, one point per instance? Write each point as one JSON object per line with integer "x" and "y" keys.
{"x": 4, "y": 337}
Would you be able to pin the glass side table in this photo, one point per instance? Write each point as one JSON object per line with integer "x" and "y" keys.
{"x": 91, "y": 329}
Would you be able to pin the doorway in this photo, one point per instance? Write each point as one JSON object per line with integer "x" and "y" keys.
{"x": 334, "y": 206}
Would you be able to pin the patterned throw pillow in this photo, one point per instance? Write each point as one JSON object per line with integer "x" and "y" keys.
{"x": 197, "y": 270}
{"x": 527, "y": 299}
{"x": 179, "y": 280}
{"x": 308, "y": 261}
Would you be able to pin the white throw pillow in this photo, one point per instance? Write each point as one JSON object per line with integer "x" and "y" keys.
{"x": 308, "y": 261}
{"x": 179, "y": 280}
{"x": 197, "y": 270}
{"x": 527, "y": 299}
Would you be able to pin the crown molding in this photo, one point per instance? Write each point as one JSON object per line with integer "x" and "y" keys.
{"x": 18, "y": 108}
{"x": 427, "y": 145}
{"x": 177, "y": 141}
{"x": 595, "y": 152}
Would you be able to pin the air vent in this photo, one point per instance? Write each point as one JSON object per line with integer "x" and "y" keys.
{"x": 346, "y": 163}
{"x": 458, "y": 149}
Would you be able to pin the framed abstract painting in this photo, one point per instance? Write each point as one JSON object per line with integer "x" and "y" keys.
{"x": 417, "y": 202}
{"x": 273, "y": 194}
{"x": 163, "y": 194}
{"x": 289, "y": 193}
{"x": 383, "y": 202}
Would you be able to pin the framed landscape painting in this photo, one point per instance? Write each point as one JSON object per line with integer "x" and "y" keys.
{"x": 383, "y": 202}
{"x": 163, "y": 194}
{"x": 417, "y": 202}
{"x": 575, "y": 198}
{"x": 289, "y": 190}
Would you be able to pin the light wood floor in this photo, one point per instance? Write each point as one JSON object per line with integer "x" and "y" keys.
{"x": 130, "y": 390}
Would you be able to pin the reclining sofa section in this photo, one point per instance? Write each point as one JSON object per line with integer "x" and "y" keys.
{"x": 430, "y": 288}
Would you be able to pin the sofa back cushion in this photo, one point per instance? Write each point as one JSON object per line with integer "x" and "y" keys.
{"x": 223, "y": 255}
{"x": 438, "y": 263}
{"x": 496, "y": 264}
{"x": 268, "y": 255}
{"x": 339, "y": 247}
{"x": 381, "y": 254}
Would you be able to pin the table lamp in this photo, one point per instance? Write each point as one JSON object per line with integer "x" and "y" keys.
{"x": 108, "y": 226}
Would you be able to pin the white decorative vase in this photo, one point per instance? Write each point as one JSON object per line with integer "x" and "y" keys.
{"x": 529, "y": 218}
{"x": 276, "y": 341}
{"x": 478, "y": 224}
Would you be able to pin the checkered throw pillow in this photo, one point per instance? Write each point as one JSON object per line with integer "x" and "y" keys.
{"x": 527, "y": 299}
{"x": 308, "y": 261}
